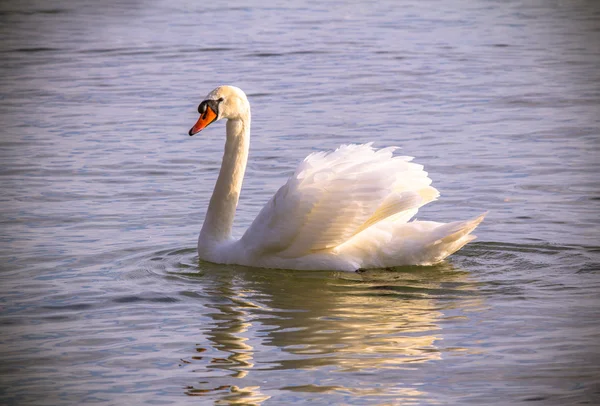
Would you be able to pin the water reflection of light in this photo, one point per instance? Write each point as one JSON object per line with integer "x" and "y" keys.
{"x": 228, "y": 335}
{"x": 368, "y": 329}
{"x": 358, "y": 323}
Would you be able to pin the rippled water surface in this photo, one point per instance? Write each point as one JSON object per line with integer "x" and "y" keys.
{"x": 103, "y": 299}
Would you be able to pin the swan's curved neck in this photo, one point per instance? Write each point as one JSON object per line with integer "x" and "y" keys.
{"x": 221, "y": 210}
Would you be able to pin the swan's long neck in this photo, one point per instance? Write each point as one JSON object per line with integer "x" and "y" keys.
{"x": 221, "y": 210}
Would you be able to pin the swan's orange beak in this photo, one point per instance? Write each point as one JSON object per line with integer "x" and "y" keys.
{"x": 205, "y": 119}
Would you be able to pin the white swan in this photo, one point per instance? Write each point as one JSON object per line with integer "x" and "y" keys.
{"x": 344, "y": 210}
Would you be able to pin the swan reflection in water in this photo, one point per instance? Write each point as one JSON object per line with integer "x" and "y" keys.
{"x": 271, "y": 326}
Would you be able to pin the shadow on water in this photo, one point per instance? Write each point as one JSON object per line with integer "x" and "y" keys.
{"x": 271, "y": 322}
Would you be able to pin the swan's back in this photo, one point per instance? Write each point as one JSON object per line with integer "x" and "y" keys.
{"x": 335, "y": 197}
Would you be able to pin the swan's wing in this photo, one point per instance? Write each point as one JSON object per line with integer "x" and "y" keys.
{"x": 334, "y": 196}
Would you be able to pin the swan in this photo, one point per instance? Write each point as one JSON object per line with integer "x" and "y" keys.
{"x": 343, "y": 210}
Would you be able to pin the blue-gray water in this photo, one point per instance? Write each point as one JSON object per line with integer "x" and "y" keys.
{"x": 103, "y": 299}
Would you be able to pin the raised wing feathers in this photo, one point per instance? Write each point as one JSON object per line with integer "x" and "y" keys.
{"x": 333, "y": 196}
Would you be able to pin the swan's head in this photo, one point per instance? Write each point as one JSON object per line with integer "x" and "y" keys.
{"x": 228, "y": 102}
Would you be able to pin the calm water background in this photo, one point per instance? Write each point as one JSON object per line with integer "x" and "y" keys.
{"x": 103, "y": 299}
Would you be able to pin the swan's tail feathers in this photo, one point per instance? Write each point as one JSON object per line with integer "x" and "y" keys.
{"x": 454, "y": 236}
{"x": 457, "y": 230}
{"x": 415, "y": 243}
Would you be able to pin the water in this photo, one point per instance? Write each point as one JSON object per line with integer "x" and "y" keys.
{"x": 103, "y": 299}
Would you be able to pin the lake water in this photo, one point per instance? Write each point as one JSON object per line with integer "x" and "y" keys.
{"x": 103, "y": 299}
